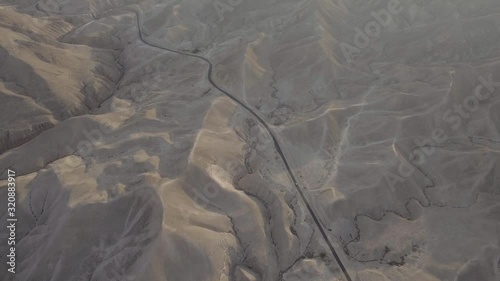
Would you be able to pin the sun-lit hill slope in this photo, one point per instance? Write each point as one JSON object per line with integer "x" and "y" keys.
{"x": 45, "y": 80}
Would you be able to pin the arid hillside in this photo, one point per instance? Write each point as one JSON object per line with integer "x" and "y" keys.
{"x": 263, "y": 140}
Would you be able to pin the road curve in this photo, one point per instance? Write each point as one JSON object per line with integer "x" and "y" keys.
{"x": 246, "y": 107}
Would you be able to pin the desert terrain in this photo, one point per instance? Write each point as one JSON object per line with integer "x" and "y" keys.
{"x": 263, "y": 140}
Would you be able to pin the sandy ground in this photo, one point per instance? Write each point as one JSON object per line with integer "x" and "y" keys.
{"x": 133, "y": 165}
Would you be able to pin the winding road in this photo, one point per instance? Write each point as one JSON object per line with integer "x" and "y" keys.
{"x": 247, "y": 108}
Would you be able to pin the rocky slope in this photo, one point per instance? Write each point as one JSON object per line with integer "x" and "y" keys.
{"x": 138, "y": 163}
